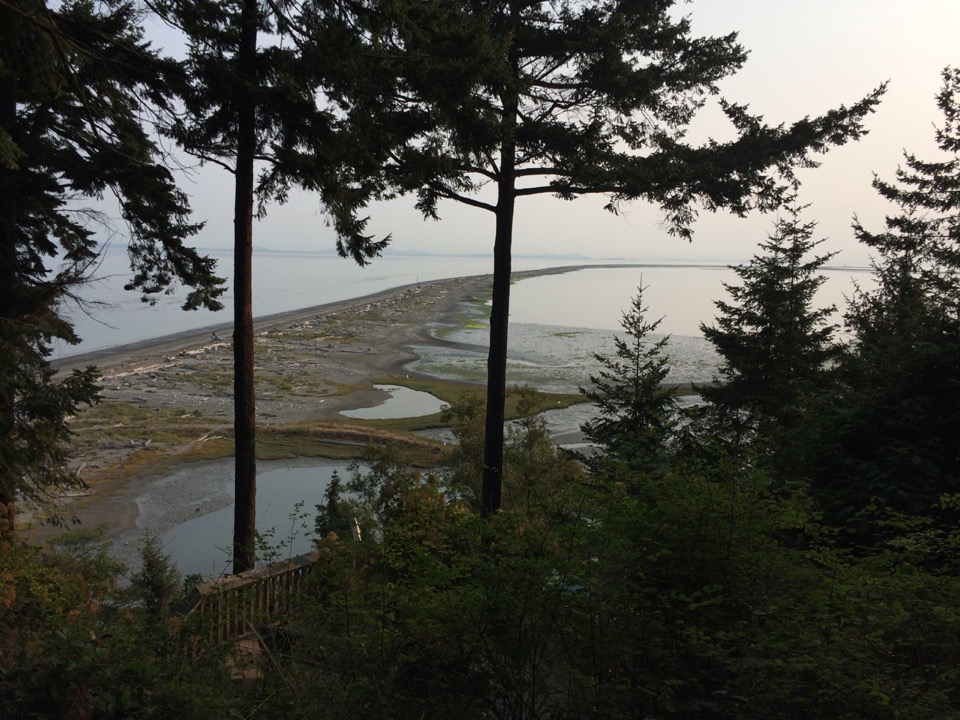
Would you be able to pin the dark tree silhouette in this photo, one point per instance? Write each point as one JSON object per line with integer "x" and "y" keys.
{"x": 76, "y": 82}
{"x": 499, "y": 101}
{"x": 636, "y": 415}
{"x": 248, "y": 103}
{"x": 775, "y": 345}
{"x": 891, "y": 434}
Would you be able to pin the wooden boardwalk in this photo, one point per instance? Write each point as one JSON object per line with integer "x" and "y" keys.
{"x": 239, "y": 608}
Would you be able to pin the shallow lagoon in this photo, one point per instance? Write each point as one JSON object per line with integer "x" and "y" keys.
{"x": 202, "y": 544}
{"x": 401, "y": 403}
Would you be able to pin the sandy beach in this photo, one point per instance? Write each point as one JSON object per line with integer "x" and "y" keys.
{"x": 311, "y": 364}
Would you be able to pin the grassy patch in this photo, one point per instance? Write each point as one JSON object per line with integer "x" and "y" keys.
{"x": 452, "y": 392}
{"x": 126, "y": 422}
{"x": 341, "y": 440}
{"x": 213, "y": 378}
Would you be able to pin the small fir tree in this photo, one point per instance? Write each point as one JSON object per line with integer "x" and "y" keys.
{"x": 775, "y": 345}
{"x": 636, "y": 414}
{"x": 335, "y": 513}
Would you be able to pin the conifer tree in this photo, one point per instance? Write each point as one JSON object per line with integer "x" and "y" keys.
{"x": 775, "y": 345}
{"x": 892, "y": 435}
{"x": 251, "y": 102}
{"x": 636, "y": 415}
{"x": 77, "y": 80}
{"x": 498, "y": 101}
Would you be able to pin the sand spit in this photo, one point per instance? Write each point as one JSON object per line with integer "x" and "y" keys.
{"x": 311, "y": 365}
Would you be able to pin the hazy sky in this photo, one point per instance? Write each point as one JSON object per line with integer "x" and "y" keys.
{"x": 806, "y": 57}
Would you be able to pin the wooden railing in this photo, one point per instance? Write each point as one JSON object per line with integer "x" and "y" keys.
{"x": 232, "y": 607}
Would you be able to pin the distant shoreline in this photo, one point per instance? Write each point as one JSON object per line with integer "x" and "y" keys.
{"x": 194, "y": 336}
{"x": 187, "y": 338}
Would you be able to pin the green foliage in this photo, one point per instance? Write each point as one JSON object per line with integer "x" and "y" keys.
{"x": 637, "y": 416}
{"x": 691, "y": 594}
{"x": 775, "y": 346}
{"x": 77, "y": 85}
{"x": 157, "y": 585}
{"x": 776, "y": 349}
{"x": 891, "y": 434}
{"x": 697, "y": 591}
{"x": 73, "y": 645}
{"x": 465, "y": 419}
{"x": 334, "y": 514}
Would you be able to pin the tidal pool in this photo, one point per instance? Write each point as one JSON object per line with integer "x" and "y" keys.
{"x": 402, "y": 403}
{"x": 202, "y": 544}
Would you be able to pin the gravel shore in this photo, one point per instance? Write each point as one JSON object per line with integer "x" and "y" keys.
{"x": 310, "y": 365}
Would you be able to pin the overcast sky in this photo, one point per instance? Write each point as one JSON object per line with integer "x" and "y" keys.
{"x": 806, "y": 57}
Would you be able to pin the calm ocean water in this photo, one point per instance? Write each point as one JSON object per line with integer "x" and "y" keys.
{"x": 592, "y": 298}
{"x": 282, "y": 282}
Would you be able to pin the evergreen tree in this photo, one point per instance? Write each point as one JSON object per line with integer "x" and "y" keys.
{"x": 570, "y": 99}
{"x": 76, "y": 81}
{"x": 636, "y": 415}
{"x": 892, "y": 436}
{"x": 246, "y": 103}
{"x": 335, "y": 514}
{"x": 775, "y": 345}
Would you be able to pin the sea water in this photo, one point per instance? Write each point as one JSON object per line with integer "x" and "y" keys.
{"x": 108, "y": 316}
{"x": 593, "y": 297}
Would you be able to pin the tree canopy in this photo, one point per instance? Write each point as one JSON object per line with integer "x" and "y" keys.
{"x": 77, "y": 81}
{"x": 636, "y": 415}
{"x": 774, "y": 343}
{"x": 497, "y": 101}
{"x": 891, "y": 436}
{"x": 255, "y": 95}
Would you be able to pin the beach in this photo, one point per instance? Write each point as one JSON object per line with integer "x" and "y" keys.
{"x": 311, "y": 364}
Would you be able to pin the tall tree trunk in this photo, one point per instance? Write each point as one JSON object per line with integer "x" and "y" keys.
{"x": 8, "y": 495}
{"x": 490, "y": 491}
{"x": 245, "y": 421}
{"x": 497, "y": 358}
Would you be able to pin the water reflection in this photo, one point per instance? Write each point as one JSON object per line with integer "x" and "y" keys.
{"x": 402, "y": 403}
{"x": 202, "y": 544}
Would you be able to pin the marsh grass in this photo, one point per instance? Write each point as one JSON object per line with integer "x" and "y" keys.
{"x": 134, "y": 439}
{"x": 343, "y": 441}
{"x": 452, "y": 392}
{"x": 126, "y": 422}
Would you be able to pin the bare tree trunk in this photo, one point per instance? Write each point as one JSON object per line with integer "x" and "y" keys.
{"x": 490, "y": 498}
{"x": 245, "y": 421}
{"x": 8, "y": 494}
{"x": 490, "y": 491}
